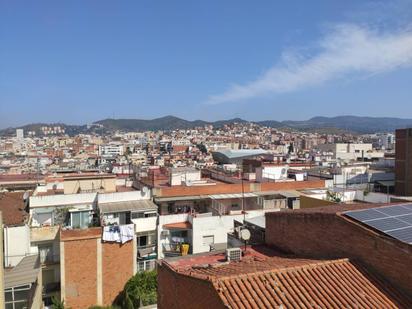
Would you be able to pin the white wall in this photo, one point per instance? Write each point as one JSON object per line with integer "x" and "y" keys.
{"x": 16, "y": 244}
{"x": 272, "y": 172}
{"x": 145, "y": 224}
{"x": 372, "y": 197}
{"x": 122, "y": 196}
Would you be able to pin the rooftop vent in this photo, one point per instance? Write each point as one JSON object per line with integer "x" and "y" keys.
{"x": 233, "y": 254}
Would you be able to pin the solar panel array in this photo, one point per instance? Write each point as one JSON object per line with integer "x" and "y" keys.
{"x": 395, "y": 221}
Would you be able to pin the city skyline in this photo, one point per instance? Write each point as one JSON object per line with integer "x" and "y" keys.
{"x": 77, "y": 63}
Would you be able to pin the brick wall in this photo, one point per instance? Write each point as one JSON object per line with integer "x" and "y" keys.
{"x": 327, "y": 235}
{"x": 177, "y": 291}
{"x": 80, "y": 273}
{"x": 80, "y": 277}
{"x": 117, "y": 263}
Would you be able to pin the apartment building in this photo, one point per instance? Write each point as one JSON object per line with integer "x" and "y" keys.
{"x": 351, "y": 151}
{"x": 197, "y": 219}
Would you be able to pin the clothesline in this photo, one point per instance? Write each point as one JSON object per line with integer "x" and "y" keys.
{"x": 118, "y": 233}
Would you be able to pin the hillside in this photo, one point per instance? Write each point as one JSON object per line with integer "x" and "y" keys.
{"x": 354, "y": 124}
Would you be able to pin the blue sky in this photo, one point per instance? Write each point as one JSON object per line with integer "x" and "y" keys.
{"x": 81, "y": 61}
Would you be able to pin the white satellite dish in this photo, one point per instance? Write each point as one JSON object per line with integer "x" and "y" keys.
{"x": 245, "y": 234}
{"x": 144, "y": 191}
{"x": 26, "y": 195}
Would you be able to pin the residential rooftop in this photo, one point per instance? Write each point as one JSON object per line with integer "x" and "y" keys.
{"x": 12, "y": 207}
{"x": 266, "y": 278}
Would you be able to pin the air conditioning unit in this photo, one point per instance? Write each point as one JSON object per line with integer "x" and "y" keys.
{"x": 233, "y": 254}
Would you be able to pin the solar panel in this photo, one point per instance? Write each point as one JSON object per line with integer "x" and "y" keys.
{"x": 368, "y": 214}
{"x": 395, "y": 221}
{"x": 404, "y": 235}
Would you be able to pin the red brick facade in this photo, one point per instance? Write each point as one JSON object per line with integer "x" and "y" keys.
{"x": 329, "y": 235}
{"x": 80, "y": 273}
{"x": 179, "y": 291}
{"x": 117, "y": 268}
{"x": 81, "y": 253}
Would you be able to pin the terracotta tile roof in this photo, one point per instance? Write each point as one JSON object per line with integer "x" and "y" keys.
{"x": 265, "y": 278}
{"x": 205, "y": 268}
{"x": 331, "y": 284}
{"x": 12, "y": 208}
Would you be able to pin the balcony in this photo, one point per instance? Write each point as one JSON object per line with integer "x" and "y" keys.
{"x": 145, "y": 224}
{"x": 44, "y": 233}
{"x": 176, "y": 249}
{"x": 147, "y": 250}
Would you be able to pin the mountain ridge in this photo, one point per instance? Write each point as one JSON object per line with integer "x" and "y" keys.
{"x": 356, "y": 124}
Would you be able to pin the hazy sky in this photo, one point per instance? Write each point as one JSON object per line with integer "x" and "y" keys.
{"x": 81, "y": 61}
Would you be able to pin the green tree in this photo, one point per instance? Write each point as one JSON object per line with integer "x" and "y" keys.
{"x": 57, "y": 303}
{"x": 140, "y": 290}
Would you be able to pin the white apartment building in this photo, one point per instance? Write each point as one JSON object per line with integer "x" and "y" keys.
{"x": 350, "y": 152}
{"x": 111, "y": 149}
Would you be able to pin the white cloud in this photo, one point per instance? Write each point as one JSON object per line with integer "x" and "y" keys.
{"x": 345, "y": 50}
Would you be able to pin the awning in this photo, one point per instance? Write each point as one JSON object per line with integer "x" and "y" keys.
{"x": 26, "y": 272}
{"x": 138, "y": 206}
{"x": 178, "y": 226}
{"x": 265, "y": 193}
{"x": 386, "y": 183}
{"x": 180, "y": 198}
{"x": 290, "y": 194}
{"x": 229, "y": 196}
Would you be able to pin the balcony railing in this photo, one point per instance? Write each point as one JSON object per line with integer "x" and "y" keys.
{"x": 175, "y": 249}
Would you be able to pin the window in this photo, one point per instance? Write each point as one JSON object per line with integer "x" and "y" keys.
{"x": 235, "y": 206}
{"x": 17, "y": 297}
{"x": 138, "y": 215}
{"x": 80, "y": 219}
{"x": 147, "y": 239}
{"x": 44, "y": 218}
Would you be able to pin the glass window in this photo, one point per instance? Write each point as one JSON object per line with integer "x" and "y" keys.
{"x": 21, "y": 295}
{"x": 80, "y": 219}
{"x": 9, "y": 296}
{"x": 20, "y": 305}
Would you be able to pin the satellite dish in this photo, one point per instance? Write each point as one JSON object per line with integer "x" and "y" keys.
{"x": 25, "y": 195}
{"x": 245, "y": 234}
{"x": 144, "y": 191}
